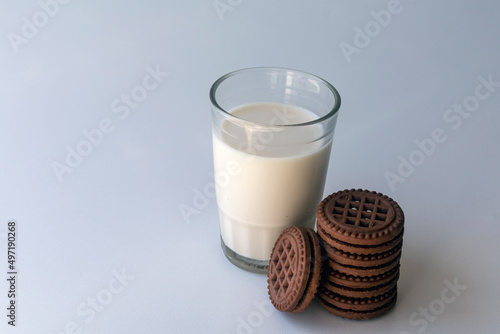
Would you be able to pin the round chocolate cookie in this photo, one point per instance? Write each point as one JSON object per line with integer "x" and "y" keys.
{"x": 370, "y": 292}
{"x": 360, "y": 217}
{"x": 383, "y": 306}
{"x": 294, "y": 269}
{"x": 315, "y": 272}
{"x": 360, "y": 249}
{"x": 355, "y": 304}
{"x": 359, "y": 282}
{"x": 365, "y": 271}
{"x": 361, "y": 260}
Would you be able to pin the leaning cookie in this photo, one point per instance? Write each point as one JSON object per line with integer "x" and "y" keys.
{"x": 315, "y": 272}
{"x": 294, "y": 269}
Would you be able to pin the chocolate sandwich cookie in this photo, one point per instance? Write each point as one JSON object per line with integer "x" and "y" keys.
{"x": 360, "y": 249}
{"x": 365, "y": 271}
{"x": 360, "y": 217}
{"x": 359, "y": 282}
{"x": 355, "y": 304}
{"x": 294, "y": 269}
{"x": 374, "y": 290}
{"x": 361, "y": 260}
{"x": 357, "y": 308}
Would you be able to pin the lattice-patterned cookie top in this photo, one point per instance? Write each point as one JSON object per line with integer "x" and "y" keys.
{"x": 289, "y": 269}
{"x": 359, "y": 214}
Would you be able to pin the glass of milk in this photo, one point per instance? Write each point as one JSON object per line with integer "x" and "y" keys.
{"x": 272, "y": 131}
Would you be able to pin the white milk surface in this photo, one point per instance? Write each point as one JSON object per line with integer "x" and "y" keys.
{"x": 263, "y": 188}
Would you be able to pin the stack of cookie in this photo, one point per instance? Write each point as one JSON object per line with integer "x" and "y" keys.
{"x": 362, "y": 235}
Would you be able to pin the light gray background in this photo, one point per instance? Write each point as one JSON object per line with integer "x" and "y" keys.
{"x": 118, "y": 212}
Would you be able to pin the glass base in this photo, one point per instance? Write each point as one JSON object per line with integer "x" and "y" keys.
{"x": 245, "y": 263}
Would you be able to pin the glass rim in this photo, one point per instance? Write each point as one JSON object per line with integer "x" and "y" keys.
{"x": 227, "y": 114}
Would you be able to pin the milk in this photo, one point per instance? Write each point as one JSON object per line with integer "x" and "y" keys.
{"x": 267, "y": 186}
